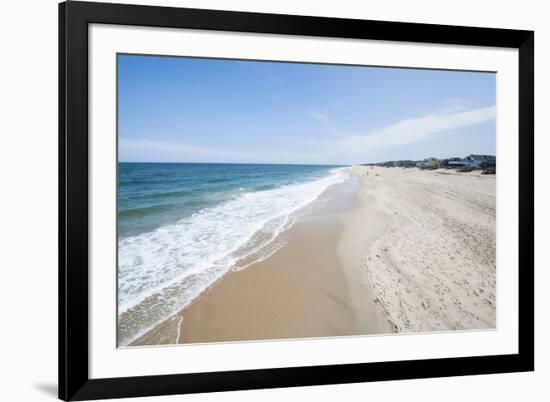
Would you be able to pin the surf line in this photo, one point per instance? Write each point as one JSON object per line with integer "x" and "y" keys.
{"x": 178, "y": 333}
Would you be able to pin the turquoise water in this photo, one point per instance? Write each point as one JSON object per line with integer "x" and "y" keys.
{"x": 183, "y": 226}
{"x": 153, "y": 194}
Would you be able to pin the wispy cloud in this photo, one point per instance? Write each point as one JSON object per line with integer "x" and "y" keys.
{"x": 341, "y": 147}
{"x": 416, "y": 129}
{"x": 322, "y": 119}
{"x": 159, "y": 151}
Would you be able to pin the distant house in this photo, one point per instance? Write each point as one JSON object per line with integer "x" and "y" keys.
{"x": 432, "y": 163}
{"x": 479, "y": 161}
{"x": 470, "y": 162}
{"x": 455, "y": 162}
{"x": 429, "y": 163}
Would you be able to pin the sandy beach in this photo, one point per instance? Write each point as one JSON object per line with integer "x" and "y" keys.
{"x": 435, "y": 266}
{"x": 391, "y": 250}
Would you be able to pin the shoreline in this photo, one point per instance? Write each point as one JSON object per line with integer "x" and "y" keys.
{"x": 404, "y": 250}
{"x": 162, "y": 271}
{"x": 310, "y": 287}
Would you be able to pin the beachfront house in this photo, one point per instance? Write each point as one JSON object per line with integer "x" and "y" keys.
{"x": 470, "y": 162}
{"x": 479, "y": 161}
{"x": 455, "y": 162}
{"x": 429, "y": 163}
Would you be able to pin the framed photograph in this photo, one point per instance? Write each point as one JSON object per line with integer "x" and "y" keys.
{"x": 257, "y": 200}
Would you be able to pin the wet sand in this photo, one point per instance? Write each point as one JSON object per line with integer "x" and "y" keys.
{"x": 311, "y": 287}
{"x": 392, "y": 250}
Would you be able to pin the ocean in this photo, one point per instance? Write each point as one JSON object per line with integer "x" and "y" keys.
{"x": 182, "y": 226}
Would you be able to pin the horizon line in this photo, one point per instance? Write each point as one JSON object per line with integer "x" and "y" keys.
{"x": 244, "y": 163}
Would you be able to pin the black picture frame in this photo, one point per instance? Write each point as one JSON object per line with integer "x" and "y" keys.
{"x": 74, "y": 381}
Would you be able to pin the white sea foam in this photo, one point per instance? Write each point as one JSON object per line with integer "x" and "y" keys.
{"x": 162, "y": 271}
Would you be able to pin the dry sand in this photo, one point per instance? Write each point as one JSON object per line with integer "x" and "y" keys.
{"x": 395, "y": 250}
{"x": 434, "y": 268}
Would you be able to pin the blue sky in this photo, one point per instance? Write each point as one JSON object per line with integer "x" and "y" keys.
{"x": 174, "y": 109}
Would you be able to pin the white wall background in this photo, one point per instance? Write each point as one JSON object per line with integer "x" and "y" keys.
{"x": 28, "y": 200}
